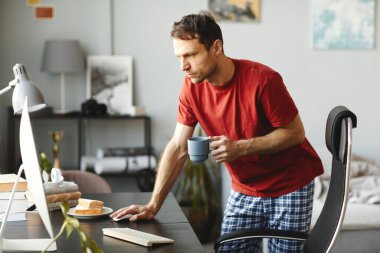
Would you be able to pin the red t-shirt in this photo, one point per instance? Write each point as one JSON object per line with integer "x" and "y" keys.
{"x": 254, "y": 103}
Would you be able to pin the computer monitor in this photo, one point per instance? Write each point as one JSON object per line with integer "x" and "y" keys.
{"x": 33, "y": 176}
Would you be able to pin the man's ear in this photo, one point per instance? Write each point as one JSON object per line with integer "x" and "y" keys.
{"x": 218, "y": 47}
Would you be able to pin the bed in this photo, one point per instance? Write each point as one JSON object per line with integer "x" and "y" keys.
{"x": 360, "y": 232}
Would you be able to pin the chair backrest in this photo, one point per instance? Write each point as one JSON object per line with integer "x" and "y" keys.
{"x": 87, "y": 182}
{"x": 340, "y": 123}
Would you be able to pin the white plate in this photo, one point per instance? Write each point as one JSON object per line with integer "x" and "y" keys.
{"x": 106, "y": 211}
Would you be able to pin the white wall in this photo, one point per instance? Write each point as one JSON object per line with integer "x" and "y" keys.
{"x": 317, "y": 80}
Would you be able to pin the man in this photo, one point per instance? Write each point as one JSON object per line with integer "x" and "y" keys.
{"x": 255, "y": 130}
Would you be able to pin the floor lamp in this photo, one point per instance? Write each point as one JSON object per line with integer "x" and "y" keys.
{"x": 61, "y": 57}
{"x": 27, "y": 97}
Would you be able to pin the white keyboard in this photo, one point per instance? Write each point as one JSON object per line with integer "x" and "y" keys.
{"x": 136, "y": 236}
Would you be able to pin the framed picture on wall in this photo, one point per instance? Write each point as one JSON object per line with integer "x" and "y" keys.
{"x": 343, "y": 24}
{"x": 235, "y": 10}
{"x": 110, "y": 82}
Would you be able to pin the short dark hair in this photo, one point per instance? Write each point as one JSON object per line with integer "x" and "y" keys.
{"x": 201, "y": 26}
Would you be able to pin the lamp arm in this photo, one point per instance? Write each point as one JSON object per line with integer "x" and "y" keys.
{"x": 10, "y": 86}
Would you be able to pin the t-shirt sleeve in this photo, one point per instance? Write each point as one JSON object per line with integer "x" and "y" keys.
{"x": 185, "y": 114}
{"x": 277, "y": 103}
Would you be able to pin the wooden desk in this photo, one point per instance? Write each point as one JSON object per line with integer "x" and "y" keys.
{"x": 170, "y": 222}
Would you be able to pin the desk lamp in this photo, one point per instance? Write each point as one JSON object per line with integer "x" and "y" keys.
{"x": 24, "y": 87}
{"x": 62, "y": 56}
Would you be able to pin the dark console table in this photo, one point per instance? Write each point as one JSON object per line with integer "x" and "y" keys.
{"x": 47, "y": 114}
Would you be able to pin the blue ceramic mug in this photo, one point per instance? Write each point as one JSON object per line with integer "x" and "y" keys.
{"x": 198, "y": 148}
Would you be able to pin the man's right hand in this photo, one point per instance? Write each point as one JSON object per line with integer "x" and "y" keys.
{"x": 171, "y": 164}
{"x": 139, "y": 212}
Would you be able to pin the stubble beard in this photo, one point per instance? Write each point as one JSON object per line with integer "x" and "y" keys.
{"x": 207, "y": 76}
{"x": 197, "y": 80}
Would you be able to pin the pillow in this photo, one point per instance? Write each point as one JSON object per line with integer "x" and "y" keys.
{"x": 360, "y": 166}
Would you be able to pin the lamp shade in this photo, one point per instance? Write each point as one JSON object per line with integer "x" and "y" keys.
{"x": 62, "y": 56}
{"x": 25, "y": 88}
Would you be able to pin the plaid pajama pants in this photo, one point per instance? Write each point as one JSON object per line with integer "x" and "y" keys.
{"x": 288, "y": 212}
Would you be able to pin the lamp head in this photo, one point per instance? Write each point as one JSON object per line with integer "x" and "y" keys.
{"x": 24, "y": 87}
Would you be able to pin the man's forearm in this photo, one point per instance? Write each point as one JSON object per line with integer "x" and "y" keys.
{"x": 271, "y": 143}
{"x": 278, "y": 140}
{"x": 168, "y": 171}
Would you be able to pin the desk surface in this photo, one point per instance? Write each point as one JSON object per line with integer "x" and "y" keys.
{"x": 169, "y": 222}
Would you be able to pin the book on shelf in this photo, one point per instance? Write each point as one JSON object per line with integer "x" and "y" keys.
{"x": 7, "y": 182}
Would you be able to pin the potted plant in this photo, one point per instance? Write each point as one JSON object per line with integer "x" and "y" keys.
{"x": 70, "y": 224}
{"x": 198, "y": 194}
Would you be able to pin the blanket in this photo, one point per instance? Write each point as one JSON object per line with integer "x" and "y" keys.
{"x": 364, "y": 192}
{"x": 364, "y": 179}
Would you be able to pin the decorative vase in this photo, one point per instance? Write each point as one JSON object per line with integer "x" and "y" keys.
{"x": 56, "y": 137}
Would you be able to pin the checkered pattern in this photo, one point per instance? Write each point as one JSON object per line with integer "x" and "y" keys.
{"x": 288, "y": 212}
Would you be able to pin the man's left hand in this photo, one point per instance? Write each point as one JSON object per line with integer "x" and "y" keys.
{"x": 223, "y": 149}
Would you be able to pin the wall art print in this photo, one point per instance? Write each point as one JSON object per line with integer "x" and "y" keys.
{"x": 235, "y": 10}
{"x": 110, "y": 81}
{"x": 343, "y": 24}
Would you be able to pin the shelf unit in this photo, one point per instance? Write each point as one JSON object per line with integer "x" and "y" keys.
{"x": 47, "y": 114}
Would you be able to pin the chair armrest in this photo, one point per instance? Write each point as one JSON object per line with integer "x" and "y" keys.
{"x": 261, "y": 233}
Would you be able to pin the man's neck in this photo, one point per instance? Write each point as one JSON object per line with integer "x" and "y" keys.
{"x": 224, "y": 72}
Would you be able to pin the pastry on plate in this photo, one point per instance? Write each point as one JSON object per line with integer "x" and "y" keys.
{"x": 89, "y": 206}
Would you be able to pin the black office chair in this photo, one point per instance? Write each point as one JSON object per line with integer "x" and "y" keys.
{"x": 321, "y": 238}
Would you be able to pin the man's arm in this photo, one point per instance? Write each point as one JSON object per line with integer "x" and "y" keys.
{"x": 169, "y": 168}
{"x": 280, "y": 139}
{"x": 171, "y": 164}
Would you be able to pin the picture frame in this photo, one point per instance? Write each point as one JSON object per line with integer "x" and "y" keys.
{"x": 235, "y": 10}
{"x": 343, "y": 24}
{"x": 110, "y": 82}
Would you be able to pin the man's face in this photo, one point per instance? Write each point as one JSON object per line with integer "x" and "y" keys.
{"x": 198, "y": 63}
